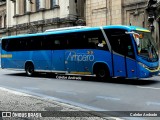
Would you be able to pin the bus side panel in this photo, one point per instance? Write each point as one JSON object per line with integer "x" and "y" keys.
{"x": 41, "y": 59}
{"x": 102, "y": 56}
{"x": 79, "y": 61}
{"x": 6, "y": 60}
{"x": 131, "y": 68}
{"x": 119, "y": 65}
{"x": 74, "y": 60}
{"x": 83, "y": 61}
{"x": 58, "y": 60}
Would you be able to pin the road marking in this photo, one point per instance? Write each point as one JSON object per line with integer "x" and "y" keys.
{"x": 14, "y": 92}
{"x": 148, "y": 88}
{"x": 30, "y": 88}
{"x": 33, "y": 78}
{"x": 67, "y": 92}
{"x": 153, "y": 103}
{"x": 107, "y": 98}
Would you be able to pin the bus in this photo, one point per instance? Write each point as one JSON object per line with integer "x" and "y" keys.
{"x": 102, "y": 52}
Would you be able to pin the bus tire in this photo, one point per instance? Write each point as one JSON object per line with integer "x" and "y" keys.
{"x": 29, "y": 68}
{"x": 102, "y": 73}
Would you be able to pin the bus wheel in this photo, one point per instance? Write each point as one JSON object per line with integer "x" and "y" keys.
{"x": 29, "y": 69}
{"x": 102, "y": 73}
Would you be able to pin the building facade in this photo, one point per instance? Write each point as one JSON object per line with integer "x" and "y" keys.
{"x": 103, "y": 12}
{"x": 31, "y": 16}
{"x": 109, "y": 12}
{"x": 2, "y": 19}
{"x": 157, "y": 21}
{"x": 124, "y": 12}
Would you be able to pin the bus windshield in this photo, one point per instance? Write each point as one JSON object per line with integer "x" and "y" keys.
{"x": 146, "y": 46}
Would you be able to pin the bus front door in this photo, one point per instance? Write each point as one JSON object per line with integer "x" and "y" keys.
{"x": 119, "y": 66}
{"x": 124, "y": 63}
{"x": 124, "y": 66}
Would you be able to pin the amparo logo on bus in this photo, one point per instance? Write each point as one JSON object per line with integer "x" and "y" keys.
{"x": 80, "y": 57}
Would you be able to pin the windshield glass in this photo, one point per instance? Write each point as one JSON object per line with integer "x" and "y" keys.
{"x": 146, "y": 46}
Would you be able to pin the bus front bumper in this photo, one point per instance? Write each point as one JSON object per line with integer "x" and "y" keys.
{"x": 146, "y": 72}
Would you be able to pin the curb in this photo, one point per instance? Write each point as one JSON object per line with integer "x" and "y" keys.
{"x": 50, "y": 105}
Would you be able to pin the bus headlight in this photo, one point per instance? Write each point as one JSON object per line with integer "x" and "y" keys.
{"x": 143, "y": 65}
{"x": 151, "y": 69}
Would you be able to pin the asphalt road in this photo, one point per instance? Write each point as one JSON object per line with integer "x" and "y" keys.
{"x": 21, "y": 106}
{"x": 114, "y": 95}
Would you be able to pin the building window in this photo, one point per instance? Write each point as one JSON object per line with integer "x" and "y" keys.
{"x": 37, "y": 5}
{"x": 5, "y": 21}
{"x": 0, "y": 21}
{"x": 14, "y": 8}
{"x": 54, "y": 3}
{"x": 25, "y": 6}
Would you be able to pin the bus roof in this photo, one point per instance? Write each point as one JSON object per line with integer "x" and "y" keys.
{"x": 61, "y": 30}
{"x": 129, "y": 28}
{"x": 66, "y": 28}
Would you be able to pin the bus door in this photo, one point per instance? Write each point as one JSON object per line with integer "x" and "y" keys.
{"x": 123, "y": 57}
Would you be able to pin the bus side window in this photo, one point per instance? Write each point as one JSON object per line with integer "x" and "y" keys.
{"x": 14, "y": 44}
{"x": 48, "y": 42}
{"x": 92, "y": 43}
{"x": 73, "y": 42}
{"x": 102, "y": 45}
{"x": 56, "y": 44}
{"x": 5, "y": 44}
{"x": 91, "y": 39}
{"x": 22, "y": 44}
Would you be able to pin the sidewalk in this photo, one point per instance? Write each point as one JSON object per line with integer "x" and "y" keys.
{"x": 28, "y": 107}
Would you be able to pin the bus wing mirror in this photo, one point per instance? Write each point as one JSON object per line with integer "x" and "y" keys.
{"x": 129, "y": 32}
{"x": 133, "y": 33}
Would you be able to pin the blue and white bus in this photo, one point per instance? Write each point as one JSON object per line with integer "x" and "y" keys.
{"x": 104, "y": 52}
